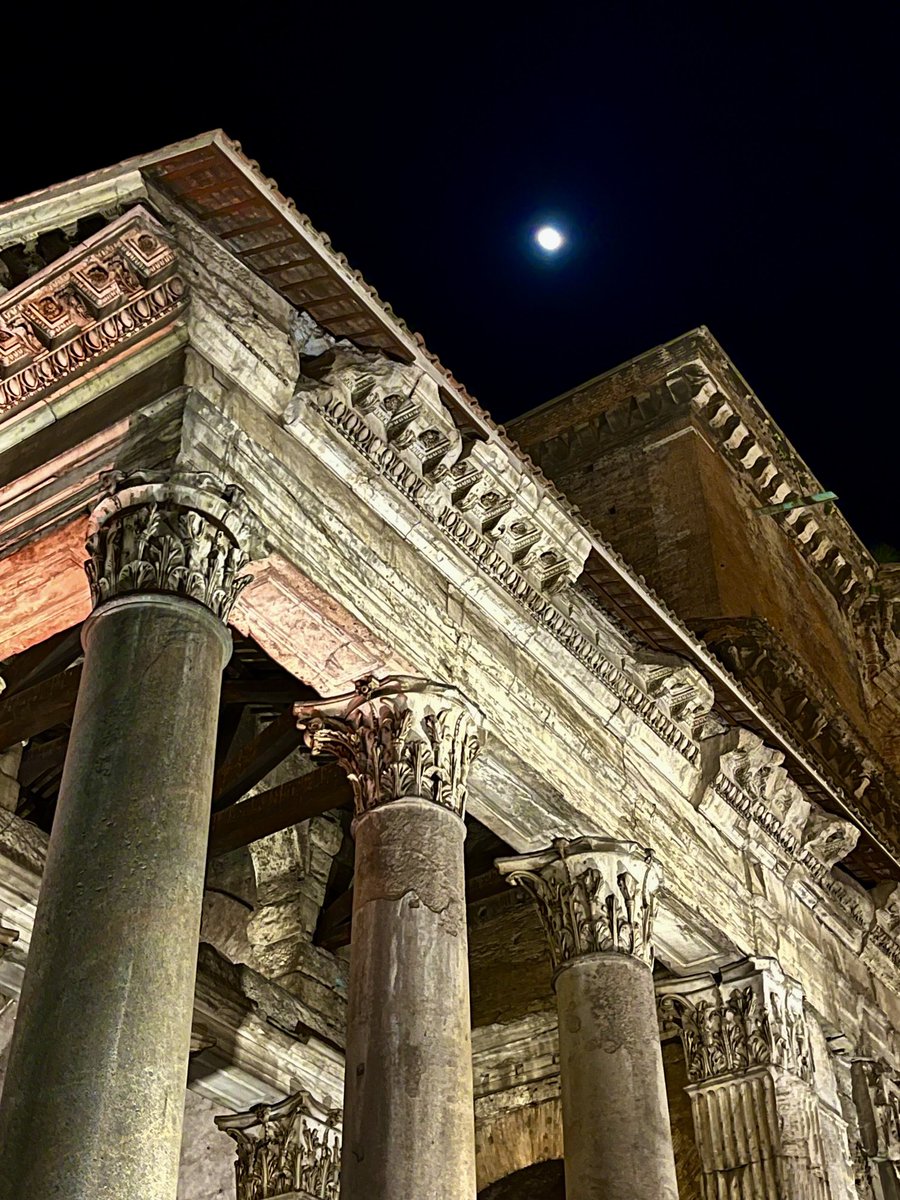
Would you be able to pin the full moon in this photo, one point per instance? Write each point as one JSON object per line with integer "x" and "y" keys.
{"x": 549, "y": 238}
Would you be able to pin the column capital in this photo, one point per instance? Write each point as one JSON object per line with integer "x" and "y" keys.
{"x": 401, "y": 737}
{"x": 180, "y": 533}
{"x": 292, "y": 1147}
{"x": 751, "y": 1015}
{"x": 594, "y": 896}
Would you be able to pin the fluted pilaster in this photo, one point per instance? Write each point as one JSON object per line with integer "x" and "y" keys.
{"x": 749, "y": 1063}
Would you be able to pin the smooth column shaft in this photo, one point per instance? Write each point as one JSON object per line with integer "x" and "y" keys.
{"x": 618, "y": 1143}
{"x": 94, "y": 1094}
{"x": 408, "y": 1106}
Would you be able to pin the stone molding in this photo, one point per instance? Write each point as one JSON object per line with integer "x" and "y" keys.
{"x": 702, "y": 381}
{"x": 559, "y": 609}
{"x": 181, "y": 533}
{"x": 401, "y": 406}
{"x": 101, "y": 297}
{"x": 285, "y": 1149}
{"x": 749, "y": 790}
{"x": 752, "y": 650}
{"x": 594, "y": 896}
{"x": 397, "y": 738}
{"x": 752, "y": 1016}
{"x": 734, "y": 419}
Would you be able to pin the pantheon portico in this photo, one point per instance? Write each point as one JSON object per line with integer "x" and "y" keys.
{"x": 400, "y": 807}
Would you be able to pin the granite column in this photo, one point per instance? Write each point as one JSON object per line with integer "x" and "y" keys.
{"x": 407, "y": 745}
{"x": 596, "y": 900}
{"x": 94, "y": 1092}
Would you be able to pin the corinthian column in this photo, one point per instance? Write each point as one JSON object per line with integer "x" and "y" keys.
{"x": 406, "y": 745}
{"x": 596, "y": 899}
{"x": 94, "y": 1092}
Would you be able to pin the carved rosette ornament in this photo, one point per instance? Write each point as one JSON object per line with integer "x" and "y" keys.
{"x": 287, "y": 1149}
{"x": 180, "y": 534}
{"x": 594, "y": 896}
{"x": 400, "y": 737}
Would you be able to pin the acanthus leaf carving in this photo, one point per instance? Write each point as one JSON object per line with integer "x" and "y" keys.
{"x": 594, "y": 896}
{"x": 399, "y": 737}
{"x": 294, "y": 1146}
{"x": 181, "y": 533}
{"x": 752, "y": 1017}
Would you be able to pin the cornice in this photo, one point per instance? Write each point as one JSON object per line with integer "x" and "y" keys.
{"x": 434, "y": 498}
{"x": 101, "y": 298}
{"x": 183, "y": 171}
{"x": 753, "y": 651}
{"x": 736, "y": 423}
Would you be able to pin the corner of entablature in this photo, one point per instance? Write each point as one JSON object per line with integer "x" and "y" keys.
{"x": 103, "y": 298}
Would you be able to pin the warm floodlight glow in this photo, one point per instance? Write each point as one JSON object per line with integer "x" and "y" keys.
{"x": 549, "y": 238}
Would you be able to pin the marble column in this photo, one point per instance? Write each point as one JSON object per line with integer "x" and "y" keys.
{"x": 407, "y": 745}
{"x": 94, "y": 1092}
{"x": 596, "y": 899}
{"x": 751, "y": 1082}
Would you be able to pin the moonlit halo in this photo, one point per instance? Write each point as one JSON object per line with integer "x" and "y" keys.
{"x": 549, "y": 238}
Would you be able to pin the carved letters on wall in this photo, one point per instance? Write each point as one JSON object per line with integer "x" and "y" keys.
{"x": 594, "y": 896}
{"x": 181, "y": 533}
{"x": 86, "y": 306}
{"x": 397, "y": 737}
{"x": 284, "y": 1148}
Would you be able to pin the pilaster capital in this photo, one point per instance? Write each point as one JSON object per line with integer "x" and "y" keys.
{"x": 291, "y": 1148}
{"x": 400, "y": 737}
{"x": 752, "y": 1015}
{"x": 594, "y": 896}
{"x": 181, "y": 533}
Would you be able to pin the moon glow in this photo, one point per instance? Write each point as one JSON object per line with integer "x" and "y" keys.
{"x": 549, "y": 239}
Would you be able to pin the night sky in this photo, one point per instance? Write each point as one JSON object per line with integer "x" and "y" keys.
{"x": 734, "y": 167}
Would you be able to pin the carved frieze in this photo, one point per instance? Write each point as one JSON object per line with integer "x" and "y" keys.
{"x": 86, "y": 306}
{"x": 594, "y": 896}
{"x": 401, "y": 407}
{"x": 398, "y": 737}
{"x": 752, "y": 1017}
{"x": 751, "y": 782}
{"x": 181, "y": 533}
{"x": 286, "y": 1148}
{"x": 499, "y": 552}
{"x": 758, "y": 657}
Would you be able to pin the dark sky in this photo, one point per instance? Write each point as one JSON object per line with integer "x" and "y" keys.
{"x": 733, "y": 166}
